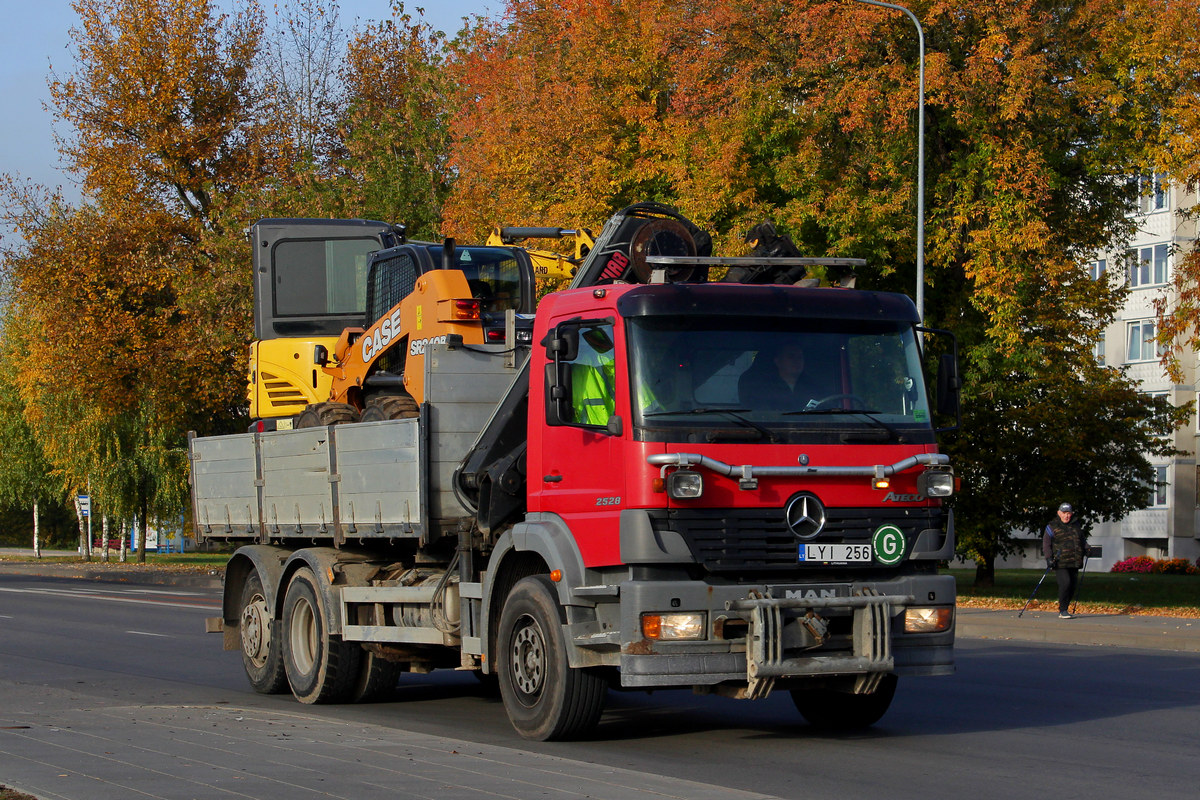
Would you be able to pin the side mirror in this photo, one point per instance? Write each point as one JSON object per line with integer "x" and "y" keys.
{"x": 558, "y": 395}
{"x": 563, "y": 344}
{"x": 947, "y": 385}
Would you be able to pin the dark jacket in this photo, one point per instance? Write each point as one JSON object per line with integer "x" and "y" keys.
{"x": 1064, "y": 543}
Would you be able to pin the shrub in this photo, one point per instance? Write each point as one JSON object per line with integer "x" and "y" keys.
{"x": 1175, "y": 566}
{"x": 1143, "y": 564}
{"x": 1146, "y": 565}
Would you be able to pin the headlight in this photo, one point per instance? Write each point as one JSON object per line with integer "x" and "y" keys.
{"x": 674, "y": 627}
{"x": 936, "y": 483}
{"x": 928, "y": 620}
{"x": 684, "y": 484}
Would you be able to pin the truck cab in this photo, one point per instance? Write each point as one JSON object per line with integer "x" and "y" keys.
{"x": 761, "y": 482}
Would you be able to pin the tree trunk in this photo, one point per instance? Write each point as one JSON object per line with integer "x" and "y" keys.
{"x": 124, "y": 548}
{"x": 139, "y": 524}
{"x": 985, "y": 573}
{"x": 104, "y": 533}
{"x": 37, "y": 545}
{"x": 85, "y": 547}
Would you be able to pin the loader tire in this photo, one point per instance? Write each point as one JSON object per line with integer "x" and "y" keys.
{"x": 396, "y": 406}
{"x": 319, "y": 415}
{"x": 832, "y": 710}
{"x": 546, "y": 699}
{"x": 261, "y": 640}
{"x": 321, "y": 668}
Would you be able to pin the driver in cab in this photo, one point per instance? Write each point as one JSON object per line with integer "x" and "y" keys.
{"x": 776, "y": 381}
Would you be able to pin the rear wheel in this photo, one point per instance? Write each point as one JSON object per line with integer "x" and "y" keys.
{"x": 544, "y": 697}
{"x": 401, "y": 406}
{"x": 843, "y": 711}
{"x": 318, "y": 415}
{"x": 320, "y": 668}
{"x": 262, "y": 655}
{"x": 376, "y": 680}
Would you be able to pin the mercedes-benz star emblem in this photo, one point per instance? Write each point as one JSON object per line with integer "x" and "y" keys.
{"x": 805, "y": 516}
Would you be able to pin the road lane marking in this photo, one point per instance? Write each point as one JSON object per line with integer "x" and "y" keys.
{"x": 147, "y": 633}
{"x": 83, "y": 594}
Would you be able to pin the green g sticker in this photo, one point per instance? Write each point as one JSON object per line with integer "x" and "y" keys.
{"x": 888, "y": 542}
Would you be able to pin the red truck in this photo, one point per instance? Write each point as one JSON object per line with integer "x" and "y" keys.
{"x": 653, "y": 497}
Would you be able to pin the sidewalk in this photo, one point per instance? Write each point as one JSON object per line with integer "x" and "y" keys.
{"x": 1119, "y": 630}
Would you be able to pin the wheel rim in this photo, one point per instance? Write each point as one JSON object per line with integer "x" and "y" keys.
{"x": 528, "y": 660}
{"x": 303, "y": 636}
{"x": 255, "y": 637}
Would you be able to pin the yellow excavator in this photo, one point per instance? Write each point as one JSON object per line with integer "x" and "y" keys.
{"x": 547, "y": 264}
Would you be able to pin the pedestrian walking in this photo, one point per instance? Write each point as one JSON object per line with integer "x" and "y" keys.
{"x": 1064, "y": 545}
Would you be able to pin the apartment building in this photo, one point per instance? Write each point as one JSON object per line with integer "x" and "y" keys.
{"x": 1170, "y": 527}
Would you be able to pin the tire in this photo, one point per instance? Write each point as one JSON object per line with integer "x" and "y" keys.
{"x": 545, "y": 698}
{"x": 320, "y": 668}
{"x": 376, "y": 680}
{"x": 318, "y": 415}
{"x": 842, "y": 711}
{"x": 395, "y": 406}
{"x": 262, "y": 646}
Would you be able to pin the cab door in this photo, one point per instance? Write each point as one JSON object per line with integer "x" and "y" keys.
{"x": 581, "y": 447}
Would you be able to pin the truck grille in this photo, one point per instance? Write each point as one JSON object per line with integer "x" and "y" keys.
{"x": 758, "y": 540}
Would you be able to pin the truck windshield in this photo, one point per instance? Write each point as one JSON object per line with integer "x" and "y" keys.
{"x": 782, "y": 379}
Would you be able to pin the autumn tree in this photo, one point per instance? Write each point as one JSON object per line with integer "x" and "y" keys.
{"x": 564, "y": 115}
{"x": 160, "y": 104}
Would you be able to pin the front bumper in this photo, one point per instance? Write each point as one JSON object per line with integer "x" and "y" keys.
{"x": 758, "y": 635}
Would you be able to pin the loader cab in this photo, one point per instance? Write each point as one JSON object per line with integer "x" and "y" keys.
{"x": 500, "y": 278}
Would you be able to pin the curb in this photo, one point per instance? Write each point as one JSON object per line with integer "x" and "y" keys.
{"x": 114, "y": 574}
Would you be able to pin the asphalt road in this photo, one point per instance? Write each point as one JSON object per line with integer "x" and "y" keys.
{"x": 114, "y": 691}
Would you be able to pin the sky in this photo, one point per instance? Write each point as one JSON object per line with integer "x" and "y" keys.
{"x": 34, "y": 36}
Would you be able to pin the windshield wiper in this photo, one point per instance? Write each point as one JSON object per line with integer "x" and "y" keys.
{"x": 868, "y": 413}
{"x": 732, "y": 412}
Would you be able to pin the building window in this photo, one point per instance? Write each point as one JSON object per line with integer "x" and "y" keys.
{"x": 1142, "y": 344}
{"x": 1147, "y": 265}
{"x": 1151, "y": 193}
{"x": 1160, "y": 486}
{"x": 1098, "y": 351}
{"x": 1097, "y": 268}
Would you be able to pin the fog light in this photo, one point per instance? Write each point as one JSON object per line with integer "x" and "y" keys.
{"x": 936, "y": 483}
{"x": 684, "y": 484}
{"x": 674, "y": 627}
{"x": 928, "y": 620}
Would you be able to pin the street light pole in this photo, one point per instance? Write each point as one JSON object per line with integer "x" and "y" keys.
{"x": 920, "y": 153}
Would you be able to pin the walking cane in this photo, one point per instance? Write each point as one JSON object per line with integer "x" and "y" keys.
{"x": 1075, "y": 600}
{"x": 1035, "y": 589}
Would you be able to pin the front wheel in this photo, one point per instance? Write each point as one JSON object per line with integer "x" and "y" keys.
{"x": 832, "y": 710}
{"x": 545, "y": 698}
{"x": 320, "y": 668}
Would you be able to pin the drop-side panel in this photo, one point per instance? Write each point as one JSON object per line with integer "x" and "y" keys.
{"x": 297, "y": 491}
{"x": 379, "y": 486}
{"x": 224, "y": 469}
